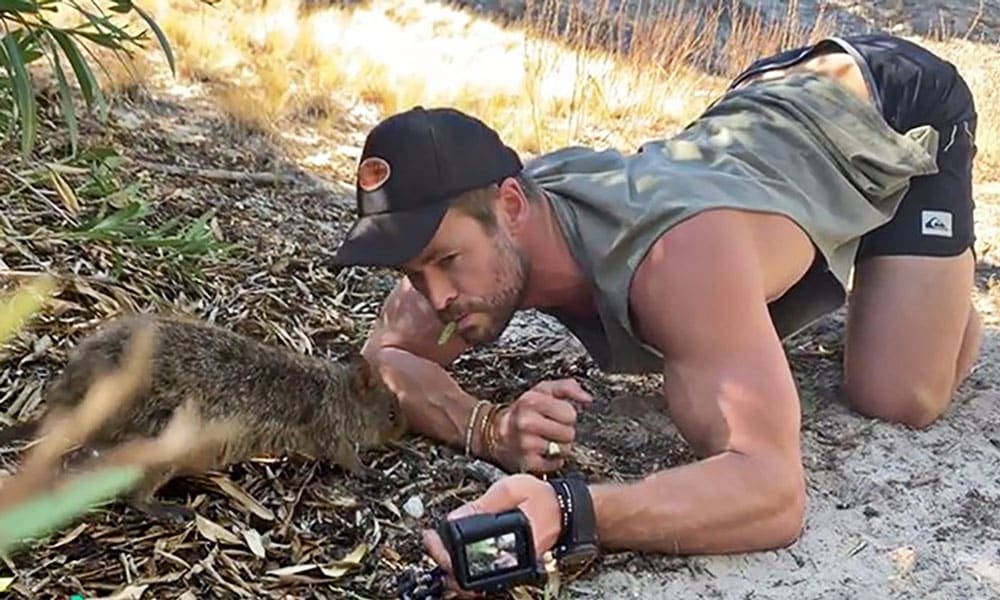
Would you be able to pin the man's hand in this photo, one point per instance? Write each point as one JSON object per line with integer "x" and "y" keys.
{"x": 544, "y": 413}
{"x": 535, "y": 498}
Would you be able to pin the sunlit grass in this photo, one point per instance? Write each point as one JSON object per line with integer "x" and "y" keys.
{"x": 980, "y": 66}
{"x": 538, "y": 82}
{"x": 267, "y": 63}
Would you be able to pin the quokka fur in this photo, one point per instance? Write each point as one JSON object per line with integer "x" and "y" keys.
{"x": 267, "y": 400}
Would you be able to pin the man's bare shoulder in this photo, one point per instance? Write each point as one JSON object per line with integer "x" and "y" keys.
{"x": 408, "y": 322}
{"x": 704, "y": 276}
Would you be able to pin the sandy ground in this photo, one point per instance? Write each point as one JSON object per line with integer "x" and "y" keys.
{"x": 893, "y": 513}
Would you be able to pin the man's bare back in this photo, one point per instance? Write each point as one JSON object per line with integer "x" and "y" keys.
{"x": 787, "y": 248}
{"x": 838, "y": 67}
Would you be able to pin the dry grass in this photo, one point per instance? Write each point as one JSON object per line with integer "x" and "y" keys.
{"x": 980, "y": 66}
{"x": 541, "y": 84}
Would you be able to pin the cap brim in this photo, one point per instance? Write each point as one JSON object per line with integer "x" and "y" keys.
{"x": 390, "y": 239}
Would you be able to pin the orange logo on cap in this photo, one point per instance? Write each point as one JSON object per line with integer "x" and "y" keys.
{"x": 372, "y": 173}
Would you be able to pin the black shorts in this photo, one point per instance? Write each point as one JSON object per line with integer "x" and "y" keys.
{"x": 912, "y": 87}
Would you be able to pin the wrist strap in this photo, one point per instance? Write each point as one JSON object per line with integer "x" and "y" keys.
{"x": 578, "y": 528}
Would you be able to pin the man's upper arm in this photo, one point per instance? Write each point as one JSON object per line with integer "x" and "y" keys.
{"x": 699, "y": 298}
{"x": 408, "y": 322}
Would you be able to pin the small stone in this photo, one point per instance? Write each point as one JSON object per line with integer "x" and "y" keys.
{"x": 414, "y": 507}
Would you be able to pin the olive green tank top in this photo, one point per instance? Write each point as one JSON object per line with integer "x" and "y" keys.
{"x": 801, "y": 146}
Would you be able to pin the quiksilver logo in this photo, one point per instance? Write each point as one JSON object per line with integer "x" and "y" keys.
{"x": 936, "y": 222}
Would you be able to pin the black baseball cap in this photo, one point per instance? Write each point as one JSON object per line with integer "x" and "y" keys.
{"x": 412, "y": 166}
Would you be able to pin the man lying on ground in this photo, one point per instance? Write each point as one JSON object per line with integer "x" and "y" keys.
{"x": 693, "y": 257}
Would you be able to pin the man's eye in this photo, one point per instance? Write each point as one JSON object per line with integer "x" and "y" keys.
{"x": 417, "y": 281}
{"x": 448, "y": 260}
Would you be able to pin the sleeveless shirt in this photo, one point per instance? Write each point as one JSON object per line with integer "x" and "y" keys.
{"x": 801, "y": 146}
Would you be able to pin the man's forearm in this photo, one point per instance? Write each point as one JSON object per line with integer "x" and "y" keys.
{"x": 432, "y": 402}
{"x": 727, "y": 503}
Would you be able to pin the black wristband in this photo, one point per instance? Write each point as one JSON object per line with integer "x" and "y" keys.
{"x": 578, "y": 531}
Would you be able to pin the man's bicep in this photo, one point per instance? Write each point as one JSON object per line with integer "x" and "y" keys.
{"x": 408, "y": 322}
{"x": 726, "y": 378}
{"x": 741, "y": 401}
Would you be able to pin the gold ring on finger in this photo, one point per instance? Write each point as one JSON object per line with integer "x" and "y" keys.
{"x": 552, "y": 449}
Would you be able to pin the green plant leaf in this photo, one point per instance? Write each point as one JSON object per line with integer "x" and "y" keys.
{"x": 164, "y": 44}
{"x": 23, "y": 93}
{"x": 121, "y": 6}
{"x": 18, "y": 6}
{"x": 44, "y": 513}
{"x": 88, "y": 84}
{"x": 114, "y": 226}
{"x": 66, "y": 101}
{"x": 30, "y": 40}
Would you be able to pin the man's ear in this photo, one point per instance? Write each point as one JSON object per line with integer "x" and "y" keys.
{"x": 512, "y": 204}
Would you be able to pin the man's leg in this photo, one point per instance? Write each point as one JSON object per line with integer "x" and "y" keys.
{"x": 912, "y": 336}
{"x": 913, "y": 333}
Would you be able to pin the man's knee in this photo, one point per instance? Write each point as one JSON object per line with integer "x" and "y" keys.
{"x": 791, "y": 526}
{"x": 915, "y": 402}
{"x": 912, "y": 396}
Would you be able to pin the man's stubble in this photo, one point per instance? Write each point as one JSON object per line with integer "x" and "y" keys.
{"x": 511, "y": 270}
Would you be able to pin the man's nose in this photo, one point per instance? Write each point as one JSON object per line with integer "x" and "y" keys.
{"x": 440, "y": 292}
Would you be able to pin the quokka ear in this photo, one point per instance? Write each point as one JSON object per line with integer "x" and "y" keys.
{"x": 366, "y": 376}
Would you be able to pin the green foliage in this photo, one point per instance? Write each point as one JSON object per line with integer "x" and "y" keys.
{"x": 41, "y": 514}
{"x": 44, "y": 513}
{"x": 123, "y": 216}
{"x": 118, "y": 214}
{"x": 29, "y": 36}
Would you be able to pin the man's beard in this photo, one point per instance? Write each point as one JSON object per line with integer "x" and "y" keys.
{"x": 511, "y": 276}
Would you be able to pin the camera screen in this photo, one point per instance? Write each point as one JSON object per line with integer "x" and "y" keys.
{"x": 492, "y": 554}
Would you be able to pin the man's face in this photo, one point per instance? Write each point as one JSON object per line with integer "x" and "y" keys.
{"x": 471, "y": 275}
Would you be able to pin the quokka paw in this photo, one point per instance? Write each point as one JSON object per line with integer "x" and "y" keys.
{"x": 171, "y": 515}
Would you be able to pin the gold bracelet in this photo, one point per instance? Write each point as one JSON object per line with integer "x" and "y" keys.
{"x": 477, "y": 440}
{"x": 491, "y": 427}
{"x": 470, "y": 427}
